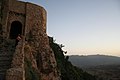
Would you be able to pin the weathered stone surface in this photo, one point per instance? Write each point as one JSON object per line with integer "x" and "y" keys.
{"x": 15, "y": 74}
{"x": 33, "y": 51}
{"x": 7, "y": 49}
{"x": 46, "y": 60}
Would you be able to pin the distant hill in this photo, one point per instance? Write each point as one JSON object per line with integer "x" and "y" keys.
{"x": 93, "y": 60}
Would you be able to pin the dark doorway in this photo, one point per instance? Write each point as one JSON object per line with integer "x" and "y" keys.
{"x": 16, "y": 28}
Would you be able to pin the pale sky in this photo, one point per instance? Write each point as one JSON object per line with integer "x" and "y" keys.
{"x": 84, "y": 26}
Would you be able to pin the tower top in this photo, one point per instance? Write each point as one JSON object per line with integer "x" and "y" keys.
{"x": 26, "y": 14}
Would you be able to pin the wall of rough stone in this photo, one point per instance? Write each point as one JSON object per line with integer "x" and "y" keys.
{"x": 0, "y": 10}
{"x": 35, "y": 16}
{"x": 1, "y": 26}
{"x": 38, "y": 41}
{"x": 13, "y": 16}
{"x": 5, "y": 12}
{"x": 33, "y": 19}
{"x": 28, "y": 14}
{"x": 17, "y": 72}
{"x": 17, "y": 6}
{"x": 16, "y": 13}
{"x": 1, "y": 16}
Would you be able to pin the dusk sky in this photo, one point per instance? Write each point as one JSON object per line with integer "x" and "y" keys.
{"x": 85, "y": 27}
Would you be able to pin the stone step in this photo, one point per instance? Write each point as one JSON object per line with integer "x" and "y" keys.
{"x": 7, "y": 50}
{"x": 2, "y": 71}
{"x": 5, "y": 67}
{"x": 5, "y": 61}
{"x": 4, "y": 58}
{"x": 2, "y": 74}
{"x": 6, "y": 54}
{"x": 2, "y": 77}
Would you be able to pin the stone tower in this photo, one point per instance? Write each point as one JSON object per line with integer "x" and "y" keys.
{"x": 29, "y": 20}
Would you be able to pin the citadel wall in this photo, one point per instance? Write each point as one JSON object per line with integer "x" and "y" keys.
{"x": 33, "y": 20}
{"x": 27, "y": 14}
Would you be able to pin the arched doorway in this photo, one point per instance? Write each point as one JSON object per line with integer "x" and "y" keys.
{"x": 16, "y": 28}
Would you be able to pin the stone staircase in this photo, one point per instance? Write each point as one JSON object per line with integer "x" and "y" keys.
{"x": 7, "y": 48}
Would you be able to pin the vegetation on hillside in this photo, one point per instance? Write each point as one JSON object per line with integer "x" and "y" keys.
{"x": 66, "y": 69}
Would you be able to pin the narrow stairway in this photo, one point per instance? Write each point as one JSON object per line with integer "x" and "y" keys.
{"x": 7, "y": 48}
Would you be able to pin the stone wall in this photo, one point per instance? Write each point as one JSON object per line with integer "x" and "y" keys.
{"x": 38, "y": 41}
{"x": 0, "y": 10}
{"x": 13, "y": 16}
{"x": 33, "y": 20}
{"x": 0, "y": 16}
{"x": 4, "y": 20}
{"x": 17, "y": 72}
{"x": 17, "y": 6}
{"x": 28, "y": 14}
{"x": 35, "y": 16}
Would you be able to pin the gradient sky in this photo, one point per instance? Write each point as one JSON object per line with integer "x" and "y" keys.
{"x": 84, "y": 26}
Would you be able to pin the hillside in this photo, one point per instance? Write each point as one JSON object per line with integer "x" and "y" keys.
{"x": 106, "y": 72}
{"x": 94, "y": 60}
{"x": 66, "y": 70}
